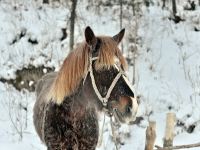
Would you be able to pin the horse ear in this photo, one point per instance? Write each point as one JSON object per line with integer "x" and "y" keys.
{"x": 118, "y": 37}
{"x": 90, "y": 37}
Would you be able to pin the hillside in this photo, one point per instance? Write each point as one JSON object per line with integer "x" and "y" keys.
{"x": 167, "y": 65}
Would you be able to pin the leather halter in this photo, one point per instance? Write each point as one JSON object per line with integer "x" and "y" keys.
{"x": 104, "y": 100}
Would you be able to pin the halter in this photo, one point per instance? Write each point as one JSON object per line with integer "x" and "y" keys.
{"x": 104, "y": 100}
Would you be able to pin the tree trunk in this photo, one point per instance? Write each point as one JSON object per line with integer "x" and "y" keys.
{"x": 72, "y": 23}
{"x": 147, "y": 3}
{"x": 169, "y": 131}
{"x": 135, "y": 7}
{"x": 120, "y": 18}
{"x": 121, "y": 13}
{"x": 163, "y": 6}
{"x": 45, "y": 1}
{"x": 174, "y": 8}
{"x": 150, "y": 136}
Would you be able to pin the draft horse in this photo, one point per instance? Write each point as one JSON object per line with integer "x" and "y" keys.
{"x": 91, "y": 80}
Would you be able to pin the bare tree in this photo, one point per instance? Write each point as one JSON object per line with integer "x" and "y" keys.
{"x": 174, "y": 8}
{"x": 72, "y": 23}
{"x": 120, "y": 18}
{"x": 164, "y": 4}
{"x": 121, "y": 12}
{"x": 175, "y": 17}
{"x": 136, "y": 14}
{"x": 45, "y": 1}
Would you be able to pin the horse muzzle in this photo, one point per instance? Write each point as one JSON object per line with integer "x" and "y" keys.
{"x": 125, "y": 109}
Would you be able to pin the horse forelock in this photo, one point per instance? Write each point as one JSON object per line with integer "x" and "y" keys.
{"x": 108, "y": 53}
{"x": 76, "y": 64}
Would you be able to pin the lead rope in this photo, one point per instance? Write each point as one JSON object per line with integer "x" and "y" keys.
{"x": 113, "y": 133}
{"x": 101, "y": 132}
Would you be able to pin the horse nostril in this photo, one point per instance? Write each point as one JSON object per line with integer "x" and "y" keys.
{"x": 128, "y": 109}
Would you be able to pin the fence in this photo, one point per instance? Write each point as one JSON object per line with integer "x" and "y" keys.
{"x": 168, "y": 138}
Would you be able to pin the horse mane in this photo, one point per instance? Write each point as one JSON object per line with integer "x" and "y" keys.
{"x": 75, "y": 67}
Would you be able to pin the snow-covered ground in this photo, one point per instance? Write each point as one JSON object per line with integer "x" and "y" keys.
{"x": 167, "y": 67}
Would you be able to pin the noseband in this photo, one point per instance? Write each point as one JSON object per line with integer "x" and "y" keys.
{"x": 104, "y": 100}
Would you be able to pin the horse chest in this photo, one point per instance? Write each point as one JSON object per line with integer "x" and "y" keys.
{"x": 67, "y": 127}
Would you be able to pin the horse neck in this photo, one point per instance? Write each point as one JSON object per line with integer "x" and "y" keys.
{"x": 90, "y": 95}
{"x": 84, "y": 98}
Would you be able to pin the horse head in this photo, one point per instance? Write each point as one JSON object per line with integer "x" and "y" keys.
{"x": 106, "y": 70}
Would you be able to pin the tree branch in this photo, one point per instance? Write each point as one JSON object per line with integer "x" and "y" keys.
{"x": 178, "y": 146}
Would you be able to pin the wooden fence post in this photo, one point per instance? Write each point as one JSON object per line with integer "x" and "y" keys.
{"x": 150, "y": 136}
{"x": 169, "y": 131}
{"x": 169, "y": 136}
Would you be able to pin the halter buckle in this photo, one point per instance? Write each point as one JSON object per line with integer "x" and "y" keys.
{"x": 104, "y": 101}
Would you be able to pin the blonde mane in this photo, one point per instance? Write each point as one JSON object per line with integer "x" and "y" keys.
{"x": 75, "y": 67}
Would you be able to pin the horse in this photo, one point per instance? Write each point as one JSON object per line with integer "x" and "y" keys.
{"x": 91, "y": 79}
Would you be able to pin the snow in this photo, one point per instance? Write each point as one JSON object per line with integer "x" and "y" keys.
{"x": 17, "y": 130}
{"x": 167, "y": 67}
